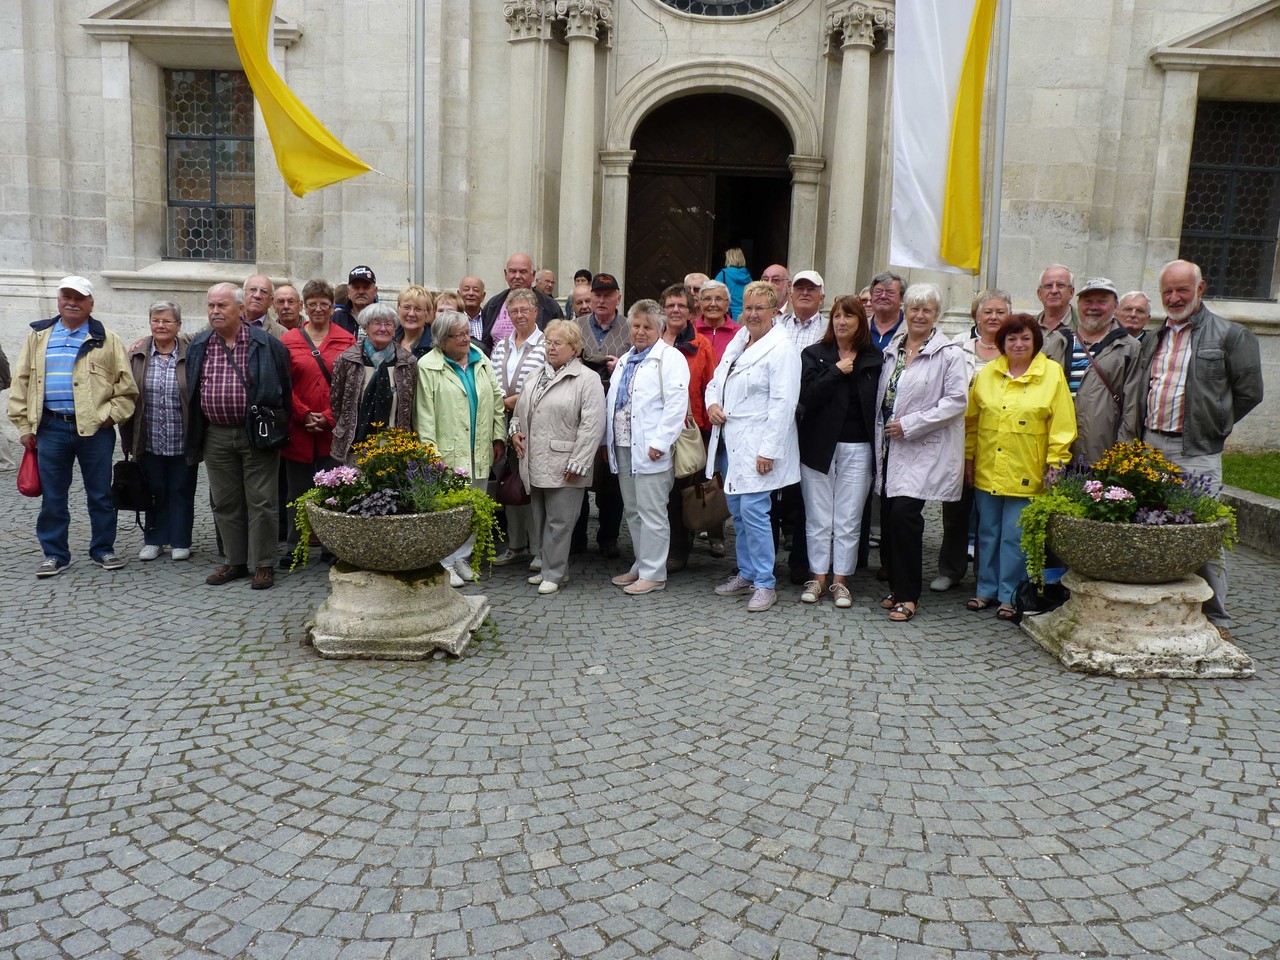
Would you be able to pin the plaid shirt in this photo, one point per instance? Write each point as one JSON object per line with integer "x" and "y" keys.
{"x": 223, "y": 398}
{"x": 803, "y": 334}
{"x": 163, "y": 408}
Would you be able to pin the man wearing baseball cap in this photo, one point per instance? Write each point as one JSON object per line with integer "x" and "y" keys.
{"x": 71, "y": 387}
{"x": 362, "y": 290}
{"x": 804, "y": 322}
{"x": 1108, "y": 397}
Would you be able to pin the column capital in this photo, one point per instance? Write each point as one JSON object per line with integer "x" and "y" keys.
{"x": 805, "y": 169}
{"x": 859, "y": 24}
{"x": 616, "y": 163}
{"x": 527, "y": 19}
{"x": 584, "y": 18}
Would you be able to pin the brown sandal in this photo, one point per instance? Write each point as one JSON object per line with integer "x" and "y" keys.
{"x": 901, "y": 613}
{"x": 888, "y": 602}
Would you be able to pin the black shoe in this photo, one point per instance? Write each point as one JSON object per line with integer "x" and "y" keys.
{"x": 577, "y": 548}
{"x": 286, "y": 561}
{"x": 799, "y": 577}
{"x": 676, "y": 564}
{"x": 609, "y": 550}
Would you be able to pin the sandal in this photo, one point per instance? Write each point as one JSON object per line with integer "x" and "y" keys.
{"x": 901, "y": 613}
{"x": 978, "y": 603}
{"x": 812, "y": 592}
{"x": 1006, "y": 613}
{"x": 888, "y": 602}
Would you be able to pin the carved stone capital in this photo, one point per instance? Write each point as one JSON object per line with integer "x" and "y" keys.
{"x": 584, "y": 18}
{"x": 859, "y": 24}
{"x": 527, "y": 19}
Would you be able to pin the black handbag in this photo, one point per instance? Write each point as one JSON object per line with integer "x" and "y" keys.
{"x": 268, "y": 427}
{"x": 130, "y": 490}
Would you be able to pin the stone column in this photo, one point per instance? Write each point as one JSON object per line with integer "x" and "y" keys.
{"x": 117, "y": 157}
{"x": 613, "y": 212}
{"x": 528, "y": 23}
{"x": 855, "y": 25}
{"x": 1173, "y": 157}
{"x": 577, "y": 169}
{"x": 802, "y": 250}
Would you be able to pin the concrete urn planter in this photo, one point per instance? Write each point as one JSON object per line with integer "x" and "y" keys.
{"x": 389, "y": 597}
{"x": 1133, "y": 552}
{"x": 407, "y": 541}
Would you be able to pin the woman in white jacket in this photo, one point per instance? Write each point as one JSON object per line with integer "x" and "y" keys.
{"x": 751, "y": 402}
{"x": 647, "y": 405}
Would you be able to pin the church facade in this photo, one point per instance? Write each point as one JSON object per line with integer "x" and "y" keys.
{"x": 639, "y": 137}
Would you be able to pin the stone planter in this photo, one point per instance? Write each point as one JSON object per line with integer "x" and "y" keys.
{"x": 1133, "y": 552}
{"x": 389, "y": 598}
{"x": 410, "y": 541}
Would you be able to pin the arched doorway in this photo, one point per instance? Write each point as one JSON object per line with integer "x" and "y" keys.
{"x": 710, "y": 172}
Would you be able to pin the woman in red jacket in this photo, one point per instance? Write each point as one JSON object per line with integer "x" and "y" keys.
{"x": 312, "y": 349}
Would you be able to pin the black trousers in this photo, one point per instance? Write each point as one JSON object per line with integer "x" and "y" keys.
{"x": 609, "y": 503}
{"x": 902, "y": 545}
{"x": 953, "y": 557}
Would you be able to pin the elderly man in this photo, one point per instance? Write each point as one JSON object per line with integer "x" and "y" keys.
{"x": 71, "y": 386}
{"x": 232, "y": 367}
{"x": 1204, "y": 375}
{"x": 1135, "y": 312}
{"x": 1109, "y": 393}
{"x": 1058, "y": 319}
{"x": 777, "y": 275}
{"x": 258, "y": 293}
{"x": 545, "y": 282}
{"x": 519, "y": 275}
{"x": 605, "y": 338}
{"x": 804, "y": 321}
{"x": 288, "y": 306}
{"x": 693, "y": 283}
{"x": 887, "y": 289}
{"x": 471, "y": 293}
{"x": 362, "y": 290}
{"x": 581, "y": 300}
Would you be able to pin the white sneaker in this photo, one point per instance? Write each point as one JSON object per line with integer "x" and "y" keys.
{"x": 463, "y": 569}
{"x": 150, "y": 552}
{"x": 180, "y": 553}
{"x": 546, "y": 586}
{"x": 536, "y": 579}
{"x": 454, "y": 579}
{"x": 535, "y": 563}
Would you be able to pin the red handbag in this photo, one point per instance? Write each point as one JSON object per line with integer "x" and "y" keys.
{"x": 29, "y": 474}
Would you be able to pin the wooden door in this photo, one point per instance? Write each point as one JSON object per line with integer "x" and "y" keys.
{"x": 669, "y": 228}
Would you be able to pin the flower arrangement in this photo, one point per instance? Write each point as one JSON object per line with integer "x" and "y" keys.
{"x": 1131, "y": 483}
{"x": 396, "y": 473}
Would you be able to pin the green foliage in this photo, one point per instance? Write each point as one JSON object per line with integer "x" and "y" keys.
{"x": 1035, "y": 525}
{"x": 484, "y": 522}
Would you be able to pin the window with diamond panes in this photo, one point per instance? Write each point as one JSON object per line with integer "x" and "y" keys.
{"x": 1231, "y": 221}
{"x": 209, "y": 140}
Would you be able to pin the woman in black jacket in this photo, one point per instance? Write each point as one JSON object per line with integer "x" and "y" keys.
{"x": 838, "y": 380}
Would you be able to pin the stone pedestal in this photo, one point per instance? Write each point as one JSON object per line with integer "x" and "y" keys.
{"x": 1129, "y": 630}
{"x": 394, "y": 616}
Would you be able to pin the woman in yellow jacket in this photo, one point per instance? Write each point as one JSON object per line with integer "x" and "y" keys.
{"x": 1019, "y": 425}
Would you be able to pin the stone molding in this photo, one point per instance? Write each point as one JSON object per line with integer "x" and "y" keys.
{"x": 805, "y": 169}
{"x": 859, "y": 25}
{"x": 121, "y": 21}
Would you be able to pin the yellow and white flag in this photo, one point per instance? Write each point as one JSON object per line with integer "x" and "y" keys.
{"x": 308, "y": 155}
{"x": 939, "y": 76}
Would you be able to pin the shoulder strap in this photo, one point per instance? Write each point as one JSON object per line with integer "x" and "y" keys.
{"x": 232, "y": 358}
{"x": 315, "y": 352}
{"x": 1093, "y": 365}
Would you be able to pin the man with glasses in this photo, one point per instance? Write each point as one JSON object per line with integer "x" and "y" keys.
{"x": 1058, "y": 319}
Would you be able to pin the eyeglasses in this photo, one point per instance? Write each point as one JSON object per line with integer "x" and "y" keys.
{"x": 464, "y": 335}
{"x": 1055, "y": 285}
{"x": 380, "y": 325}
{"x": 556, "y": 344}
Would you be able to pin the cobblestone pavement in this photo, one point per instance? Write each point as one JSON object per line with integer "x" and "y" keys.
{"x": 611, "y": 777}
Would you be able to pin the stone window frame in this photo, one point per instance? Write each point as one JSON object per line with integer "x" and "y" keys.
{"x": 135, "y": 50}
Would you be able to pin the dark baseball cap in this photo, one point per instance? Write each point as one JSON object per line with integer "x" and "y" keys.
{"x": 603, "y": 281}
{"x": 361, "y": 273}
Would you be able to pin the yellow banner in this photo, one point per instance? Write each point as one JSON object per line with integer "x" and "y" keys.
{"x": 308, "y": 155}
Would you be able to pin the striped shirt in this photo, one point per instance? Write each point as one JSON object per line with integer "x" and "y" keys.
{"x": 163, "y": 408}
{"x": 59, "y": 360}
{"x": 223, "y": 397}
{"x": 1079, "y": 363}
{"x": 1166, "y": 401}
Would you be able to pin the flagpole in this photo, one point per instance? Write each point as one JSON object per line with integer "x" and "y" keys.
{"x": 997, "y": 153}
{"x": 419, "y": 144}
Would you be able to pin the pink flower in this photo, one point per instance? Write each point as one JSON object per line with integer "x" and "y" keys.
{"x": 1093, "y": 488}
{"x": 1117, "y": 493}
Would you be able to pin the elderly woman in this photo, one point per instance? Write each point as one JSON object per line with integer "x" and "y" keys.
{"x": 516, "y": 358}
{"x": 154, "y": 434}
{"x": 646, "y": 408}
{"x": 1020, "y": 424}
{"x": 838, "y": 381}
{"x": 924, "y": 385}
{"x": 458, "y": 410}
{"x": 678, "y": 305}
{"x": 373, "y": 384}
{"x": 989, "y": 309}
{"x": 416, "y": 310}
{"x": 557, "y": 425}
{"x": 448, "y": 300}
{"x": 313, "y": 348}
{"x": 714, "y": 323}
{"x": 751, "y": 401}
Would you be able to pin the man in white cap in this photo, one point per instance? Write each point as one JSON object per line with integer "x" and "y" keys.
{"x": 1108, "y": 397}
{"x": 805, "y": 323}
{"x": 71, "y": 387}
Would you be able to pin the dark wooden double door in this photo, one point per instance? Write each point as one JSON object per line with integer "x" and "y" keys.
{"x": 710, "y": 172}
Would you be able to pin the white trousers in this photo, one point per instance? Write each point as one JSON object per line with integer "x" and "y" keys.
{"x": 644, "y": 504}
{"x": 833, "y": 504}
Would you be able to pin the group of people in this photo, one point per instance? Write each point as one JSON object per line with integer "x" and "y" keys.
{"x": 814, "y": 423}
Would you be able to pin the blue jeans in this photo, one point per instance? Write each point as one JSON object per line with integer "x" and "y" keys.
{"x": 58, "y": 446}
{"x": 173, "y": 489}
{"x": 754, "y": 536}
{"x": 1001, "y": 564}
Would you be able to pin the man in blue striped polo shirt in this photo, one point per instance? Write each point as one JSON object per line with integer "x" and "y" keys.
{"x": 71, "y": 387}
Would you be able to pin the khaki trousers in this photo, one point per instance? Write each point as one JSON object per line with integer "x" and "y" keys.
{"x": 244, "y": 487}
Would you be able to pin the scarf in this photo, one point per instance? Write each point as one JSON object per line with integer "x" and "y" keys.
{"x": 375, "y": 405}
{"x": 624, "y": 389}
